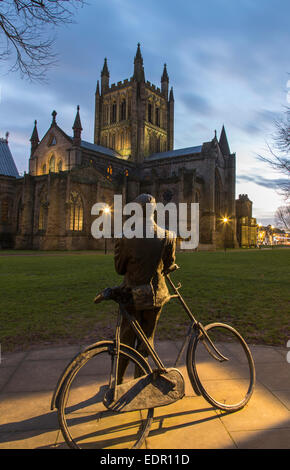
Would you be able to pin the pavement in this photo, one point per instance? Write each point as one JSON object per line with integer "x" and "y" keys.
{"x": 27, "y": 381}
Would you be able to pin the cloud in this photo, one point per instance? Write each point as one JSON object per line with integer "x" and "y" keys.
{"x": 264, "y": 182}
{"x": 196, "y": 104}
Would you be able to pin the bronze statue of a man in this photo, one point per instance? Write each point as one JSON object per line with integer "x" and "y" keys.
{"x": 142, "y": 262}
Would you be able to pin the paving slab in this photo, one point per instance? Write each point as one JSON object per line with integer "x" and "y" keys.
{"x": 188, "y": 424}
{"x": 33, "y": 376}
{"x": 26, "y": 412}
{"x": 28, "y": 440}
{"x": 262, "y": 439}
{"x": 263, "y": 411}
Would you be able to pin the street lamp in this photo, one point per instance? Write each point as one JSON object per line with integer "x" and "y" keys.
{"x": 225, "y": 221}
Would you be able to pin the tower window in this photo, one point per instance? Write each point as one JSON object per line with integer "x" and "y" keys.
{"x": 123, "y": 111}
{"x": 106, "y": 114}
{"x": 149, "y": 112}
{"x": 110, "y": 170}
{"x": 114, "y": 112}
{"x": 157, "y": 117}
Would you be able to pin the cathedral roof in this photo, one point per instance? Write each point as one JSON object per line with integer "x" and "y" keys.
{"x": 7, "y": 165}
{"x": 100, "y": 149}
{"x": 175, "y": 153}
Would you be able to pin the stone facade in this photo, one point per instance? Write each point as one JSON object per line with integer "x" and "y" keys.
{"x": 246, "y": 224}
{"x": 132, "y": 153}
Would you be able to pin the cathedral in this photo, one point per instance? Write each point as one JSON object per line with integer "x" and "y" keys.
{"x": 49, "y": 208}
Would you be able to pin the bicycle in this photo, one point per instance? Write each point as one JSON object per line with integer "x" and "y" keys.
{"x": 95, "y": 411}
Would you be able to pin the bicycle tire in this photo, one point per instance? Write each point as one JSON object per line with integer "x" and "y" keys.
{"x": 229, "y": 386}
{"x": 77, "y": 419}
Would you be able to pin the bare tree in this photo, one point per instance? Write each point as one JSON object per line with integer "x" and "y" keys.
{"x": 25, "y": 33}
{"x": 279, "y": 153}
{"x": 282, "y": 217}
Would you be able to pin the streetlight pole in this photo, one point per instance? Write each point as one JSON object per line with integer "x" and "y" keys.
{"x": 107, "y": 211}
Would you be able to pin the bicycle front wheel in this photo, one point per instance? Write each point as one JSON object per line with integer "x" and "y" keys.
{"x": 226, "y": 383}
{"x": 84, "y": 420}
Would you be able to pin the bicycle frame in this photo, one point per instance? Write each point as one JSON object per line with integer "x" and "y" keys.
{"x": 195, "y": 328}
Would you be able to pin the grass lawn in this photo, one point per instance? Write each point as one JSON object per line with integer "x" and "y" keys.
{"x": 49, "y": 299}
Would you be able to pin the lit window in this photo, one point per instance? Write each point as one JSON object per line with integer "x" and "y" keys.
{"x": 110, "y": 170}
{"x": 59, "y": 165}
{"x": 76, "y": 212}
{"x": 52, "y": 164}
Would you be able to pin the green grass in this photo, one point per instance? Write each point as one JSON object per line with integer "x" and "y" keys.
{"x": 49, "y": 299}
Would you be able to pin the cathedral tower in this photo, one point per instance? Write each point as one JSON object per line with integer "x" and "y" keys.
{"x": 134, "y": 117}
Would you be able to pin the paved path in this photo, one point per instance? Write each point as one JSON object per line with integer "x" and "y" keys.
{"x": 27, "y": 380}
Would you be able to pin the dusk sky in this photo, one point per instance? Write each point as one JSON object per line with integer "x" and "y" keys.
{"x": 228, "y": 62}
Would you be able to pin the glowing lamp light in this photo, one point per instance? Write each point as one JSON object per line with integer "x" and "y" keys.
{"x": 107, "y": 210}
{"x": 225, "y": 220}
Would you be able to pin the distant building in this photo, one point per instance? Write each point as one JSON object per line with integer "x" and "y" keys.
{"x": 246, "y": 224}
{"x": 132, "y": 153}
{"x": 8, "y": 176}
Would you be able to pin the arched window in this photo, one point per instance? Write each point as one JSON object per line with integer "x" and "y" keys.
{"x": 149, "y": 112}
{"x": 44, "y": 169}
{"x": 157, "y": 117}
{"x": 126, "y": 172}
{"x": 52, "y": 164}
{"x": 106, "y": 114}
{"x": 76, "y": 212}
{"x": 122, "y": 140}
{"x": 151, "y": 143}
{"x": 123, "y": 110}
{"x": 59, "y": 165}
{"x": 218, "y": 195}
{"x": 114, "y": 112}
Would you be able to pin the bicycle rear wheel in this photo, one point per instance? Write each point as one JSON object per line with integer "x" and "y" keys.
{"x": 228, "y": 384}
{"x": 84, "y": 420}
